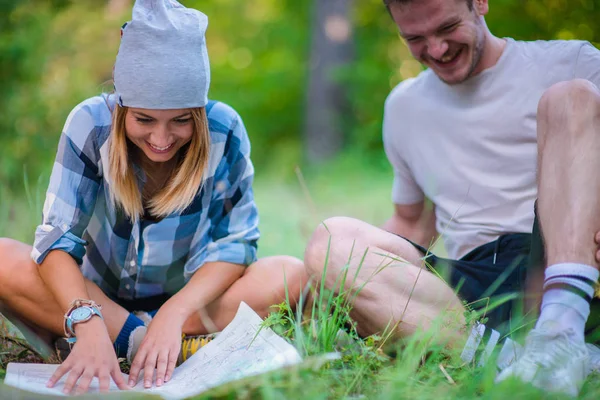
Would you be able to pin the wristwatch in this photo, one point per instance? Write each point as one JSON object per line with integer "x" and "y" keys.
{"x": 80, "y": 311}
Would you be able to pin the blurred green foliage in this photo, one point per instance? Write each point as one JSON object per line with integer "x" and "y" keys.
{"x": 56, "y": 53}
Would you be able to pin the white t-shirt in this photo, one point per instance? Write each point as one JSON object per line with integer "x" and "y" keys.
{"x": 471, "y": 148}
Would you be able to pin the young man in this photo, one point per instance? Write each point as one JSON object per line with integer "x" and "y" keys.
{"x": 491, "y": 126}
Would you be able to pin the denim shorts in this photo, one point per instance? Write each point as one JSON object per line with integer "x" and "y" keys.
{"x": 148, "y": 304}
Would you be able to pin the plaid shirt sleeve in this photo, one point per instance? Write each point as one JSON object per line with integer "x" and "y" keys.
{"x": 232, "y": 211}
{"x": 71, "y": 195}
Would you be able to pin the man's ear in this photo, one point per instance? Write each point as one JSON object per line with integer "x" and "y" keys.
{"x": 481, "y": 6}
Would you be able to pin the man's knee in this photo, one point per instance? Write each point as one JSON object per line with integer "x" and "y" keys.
{"x": 318, "y": 246}
{"x": 576, "y": 100}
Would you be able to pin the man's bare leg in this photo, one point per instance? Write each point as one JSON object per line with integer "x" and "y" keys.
{"x": 397, "y": 291}
{"x": 263, "y": 285}
{"x": 569, "y": 193}
{"x": 555, "y": 357}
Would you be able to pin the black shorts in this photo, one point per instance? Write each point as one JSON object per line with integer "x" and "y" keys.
{"x": 506, "y": 267}
{"x": 488, "y": 275}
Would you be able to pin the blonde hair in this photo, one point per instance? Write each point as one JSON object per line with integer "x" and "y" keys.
{"x": 182, "y": 185}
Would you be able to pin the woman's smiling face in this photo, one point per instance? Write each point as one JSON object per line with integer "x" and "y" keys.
{"x": 159, "y": 133}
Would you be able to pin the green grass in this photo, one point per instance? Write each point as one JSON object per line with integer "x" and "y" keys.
{"x": 290, "y": 210}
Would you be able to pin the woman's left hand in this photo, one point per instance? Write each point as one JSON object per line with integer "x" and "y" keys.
{"x": 159, "y": 349}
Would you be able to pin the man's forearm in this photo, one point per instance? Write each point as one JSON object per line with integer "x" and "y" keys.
{"x": 421, "y": 231}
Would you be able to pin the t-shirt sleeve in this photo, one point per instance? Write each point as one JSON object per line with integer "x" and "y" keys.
{"x": 405, "y": 189}
{"x": 588, "y": 64}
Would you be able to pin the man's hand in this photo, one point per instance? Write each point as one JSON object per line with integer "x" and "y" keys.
{"x": 598, "y": 249}
{"x": 93, "y": 355}
{"x": 159, "y": 349}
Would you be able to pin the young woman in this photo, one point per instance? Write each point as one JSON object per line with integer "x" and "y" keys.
{"x": 149, "y": 208}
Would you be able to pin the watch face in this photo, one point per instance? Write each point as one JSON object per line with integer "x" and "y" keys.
{"x": 81, "y": 313}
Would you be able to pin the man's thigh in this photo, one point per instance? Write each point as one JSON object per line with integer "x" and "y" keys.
{"x": 394, "y": 289}
{"x": 489, "y": 279}
{"x": 407, "y": 298}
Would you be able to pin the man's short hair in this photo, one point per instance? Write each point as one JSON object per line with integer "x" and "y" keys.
{"x": 389, "y": 2}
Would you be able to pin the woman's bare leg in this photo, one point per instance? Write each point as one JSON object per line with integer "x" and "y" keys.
{"x": 25, "y": 294}
{"x": 262, "y": 286}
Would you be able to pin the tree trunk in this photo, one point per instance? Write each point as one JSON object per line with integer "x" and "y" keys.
{"x": 331, "y": 47}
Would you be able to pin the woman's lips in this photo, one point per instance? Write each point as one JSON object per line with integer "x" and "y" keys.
{"x": 160, "y": 150}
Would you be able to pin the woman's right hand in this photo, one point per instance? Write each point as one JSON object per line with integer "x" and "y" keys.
{"x": 93, "y": 355}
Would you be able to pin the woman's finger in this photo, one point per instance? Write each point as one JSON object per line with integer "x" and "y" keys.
{"x": 136, "y": 366}
{"x": 161, "y": 367}
{"x": 59, "y": 373}
{"x": 72, "y": 379}
{"x": 84, "y": 382}
{"x": 104, "y": 381}
{"x": 171, "y": 365}
{"x": 149, "y": 367}
{"x": 598, "y": 237}
{"x": 117, "y": 376}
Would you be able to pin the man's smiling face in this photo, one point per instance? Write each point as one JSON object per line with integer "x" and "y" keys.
{"x": 445, "y": 35}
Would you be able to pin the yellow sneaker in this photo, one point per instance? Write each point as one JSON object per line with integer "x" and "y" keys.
{"x": 191, "y": 344}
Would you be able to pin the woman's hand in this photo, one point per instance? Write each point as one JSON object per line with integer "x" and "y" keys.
{"x": 93, "y": 355}
{"x": 159, "y": 349}
{"x": 161, "y": 345}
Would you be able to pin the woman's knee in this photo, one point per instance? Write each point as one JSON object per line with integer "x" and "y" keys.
{"x": 13, "y": 254}
{"x": 15, "y": 265}
{"x": 6, "y": 245}
{"x": 287, "y": 274}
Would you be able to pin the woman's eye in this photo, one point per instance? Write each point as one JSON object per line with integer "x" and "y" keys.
{"x": 143, "y": 120}
{"x": 183, "y": 120}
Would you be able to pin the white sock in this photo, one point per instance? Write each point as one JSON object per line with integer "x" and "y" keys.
{"x": 144, "y": 316}
{"x": 568, "y": 291}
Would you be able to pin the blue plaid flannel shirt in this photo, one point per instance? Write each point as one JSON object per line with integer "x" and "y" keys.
{"x": 146, "y": 258}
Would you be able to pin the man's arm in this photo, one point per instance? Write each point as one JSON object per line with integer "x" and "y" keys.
{"x": 415, "y": 222}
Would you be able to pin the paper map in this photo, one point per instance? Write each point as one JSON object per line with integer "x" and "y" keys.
{"x": 237, "y": 352}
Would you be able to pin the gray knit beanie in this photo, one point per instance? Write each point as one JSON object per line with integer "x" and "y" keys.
{"x": 162, "y": 61}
